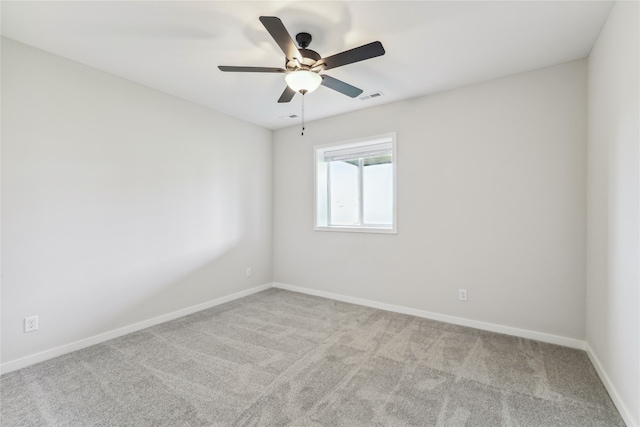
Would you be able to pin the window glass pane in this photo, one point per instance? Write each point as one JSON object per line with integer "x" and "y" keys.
{"x": 377, "y": 188}
{"x": 343, "y": 191}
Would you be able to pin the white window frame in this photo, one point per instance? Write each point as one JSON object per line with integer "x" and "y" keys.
{"x": 321, "y": 204}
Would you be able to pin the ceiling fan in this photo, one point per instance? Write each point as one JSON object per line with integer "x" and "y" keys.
{"x": 303, "y": 66}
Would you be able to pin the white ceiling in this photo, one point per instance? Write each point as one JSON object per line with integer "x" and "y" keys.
{"x": 176, "y": 46}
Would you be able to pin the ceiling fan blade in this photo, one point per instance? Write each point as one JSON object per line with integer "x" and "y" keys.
{"x": 287, "y": 95}
{"x": 252, "y": 69}
{"x": 357, "y": 54}
{"x": 276, "y": 28}
{"x": 340, "y": 86}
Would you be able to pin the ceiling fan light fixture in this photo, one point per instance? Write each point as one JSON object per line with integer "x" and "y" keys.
{"x": 303, "y": 81}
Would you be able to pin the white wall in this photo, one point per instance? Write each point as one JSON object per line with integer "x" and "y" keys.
{"x": 613, "y": 256}
{"x": 120, "y": 203}
{"x": 491, "y": 198}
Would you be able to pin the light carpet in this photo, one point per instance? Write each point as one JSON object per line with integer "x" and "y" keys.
{"x": 279, "y": 358}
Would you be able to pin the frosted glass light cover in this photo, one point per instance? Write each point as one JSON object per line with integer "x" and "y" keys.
{"x": 303, "y": 80}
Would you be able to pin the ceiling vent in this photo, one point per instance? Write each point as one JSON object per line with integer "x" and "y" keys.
{"x": 289, "y": 117}
{"x": 371, "y": 96}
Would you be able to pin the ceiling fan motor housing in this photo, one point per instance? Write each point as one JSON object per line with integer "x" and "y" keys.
{"x": 309, "y": 57}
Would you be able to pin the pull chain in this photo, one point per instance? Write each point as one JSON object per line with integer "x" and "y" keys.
{"x": 303, "y": 92}
{"x": 303, "y": 114}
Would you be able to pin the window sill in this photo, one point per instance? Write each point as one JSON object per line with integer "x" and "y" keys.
{"x": 347, "y": 229}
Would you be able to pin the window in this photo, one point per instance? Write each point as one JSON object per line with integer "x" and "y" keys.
{"x": 355, "y": 185}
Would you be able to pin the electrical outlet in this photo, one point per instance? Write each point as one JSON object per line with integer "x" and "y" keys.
{"x": 462, "y": 294}
{"x": 248, "y": 272}
{"x": 31, "y": 323}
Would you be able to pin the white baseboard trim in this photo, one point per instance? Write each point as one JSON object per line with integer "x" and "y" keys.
{"x": 613, "y": 393}
{"x": 23, "y": 362}
{"x": 508, "y": 330}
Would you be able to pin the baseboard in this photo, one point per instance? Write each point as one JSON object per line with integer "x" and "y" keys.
{"x": 23, "y": 362}
{"x": 613, "y": 392}
{"x": 523, "y": 333}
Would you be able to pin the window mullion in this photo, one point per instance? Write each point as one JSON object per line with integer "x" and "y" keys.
{"x": 329, "y": 194}
{"x": 360, "y": 192}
